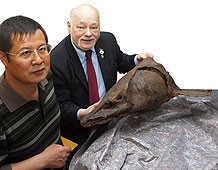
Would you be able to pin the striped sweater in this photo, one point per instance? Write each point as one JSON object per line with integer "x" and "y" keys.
{"x": 27, "y": 127}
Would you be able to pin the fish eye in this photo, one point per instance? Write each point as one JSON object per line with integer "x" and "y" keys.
{"x": 119, "y": 97}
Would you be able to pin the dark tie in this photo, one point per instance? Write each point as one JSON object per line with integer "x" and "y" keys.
{"x": 92, "y": 81}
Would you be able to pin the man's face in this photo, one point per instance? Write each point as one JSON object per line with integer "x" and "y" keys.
{"x": 30, "y": 70}
{"x": 85, "y": 30}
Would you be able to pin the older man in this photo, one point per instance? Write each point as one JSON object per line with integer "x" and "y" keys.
{"x": 78, "y": 92}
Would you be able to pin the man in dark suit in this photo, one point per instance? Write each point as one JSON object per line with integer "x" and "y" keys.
{"x": 68, "y": 64}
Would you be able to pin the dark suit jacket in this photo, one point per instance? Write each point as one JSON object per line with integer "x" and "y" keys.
{"x": 70, "y": 83}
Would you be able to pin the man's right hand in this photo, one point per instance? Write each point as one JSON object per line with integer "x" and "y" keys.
{"x": 83, "y": 112}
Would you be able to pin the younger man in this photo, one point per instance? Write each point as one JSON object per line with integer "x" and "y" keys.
{"x": 29, "y": 113}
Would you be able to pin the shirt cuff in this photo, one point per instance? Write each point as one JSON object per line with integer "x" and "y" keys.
{"x": 135, "y": 60}
{"x": 78, "y": 116}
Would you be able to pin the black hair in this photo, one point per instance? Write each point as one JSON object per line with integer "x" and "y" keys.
{"x": 17, "y": 25}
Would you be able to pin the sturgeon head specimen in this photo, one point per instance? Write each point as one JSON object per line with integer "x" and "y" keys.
{"x": 143, "y": 88}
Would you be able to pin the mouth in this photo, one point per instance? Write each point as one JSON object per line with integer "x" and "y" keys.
{"x": 39, "y": 71}
{"x": 104, "y": 115}
{"x": 87, "y": 40}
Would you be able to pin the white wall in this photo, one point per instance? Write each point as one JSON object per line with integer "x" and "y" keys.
{"x": 182, "y": 34}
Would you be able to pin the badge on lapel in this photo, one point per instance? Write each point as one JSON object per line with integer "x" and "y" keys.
{"x": 101, "y": 51}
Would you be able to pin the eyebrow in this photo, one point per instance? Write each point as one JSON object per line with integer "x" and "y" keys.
{"x": 23, "y": 48}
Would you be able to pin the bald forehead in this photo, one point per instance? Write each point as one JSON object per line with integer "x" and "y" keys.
{"x": 84, "y": 11}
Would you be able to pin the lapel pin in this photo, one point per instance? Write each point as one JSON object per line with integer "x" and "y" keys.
{"x": 101, "y": 51}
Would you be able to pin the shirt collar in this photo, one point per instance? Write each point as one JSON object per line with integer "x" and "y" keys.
{"x": 10, "y": 98}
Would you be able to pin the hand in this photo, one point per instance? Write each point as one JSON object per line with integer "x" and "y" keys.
{"x": 55, "y": 156}
{"x": 83, "y": 112}
{"x": 142, "y": 56}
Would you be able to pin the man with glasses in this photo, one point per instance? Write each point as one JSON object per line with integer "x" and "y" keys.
{"x": 29, "y": 112}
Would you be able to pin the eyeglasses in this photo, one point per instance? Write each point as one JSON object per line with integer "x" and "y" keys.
{"x": 42, "y": 51}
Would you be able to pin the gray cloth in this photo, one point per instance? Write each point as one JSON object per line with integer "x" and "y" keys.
{"x": 6, "y": 167}
{"x": 180, "y": 135}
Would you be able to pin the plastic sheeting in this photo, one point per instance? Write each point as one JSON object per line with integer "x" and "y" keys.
{"x": 180, "y": 135}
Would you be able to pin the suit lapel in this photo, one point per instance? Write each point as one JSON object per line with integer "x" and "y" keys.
{"x": 101, "y": 58}
{"x": 77, "y": 66}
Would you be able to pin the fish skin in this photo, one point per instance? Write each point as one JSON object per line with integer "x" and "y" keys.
{"x": 145, "y": 87}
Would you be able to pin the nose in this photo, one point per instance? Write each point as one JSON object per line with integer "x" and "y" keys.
{"x": 36, "y": 57}
{"x": 88, "y": 32}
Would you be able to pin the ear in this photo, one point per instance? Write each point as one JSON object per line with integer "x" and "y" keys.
{"x": 69, "y": 27}
{"x": 3, "y": 59}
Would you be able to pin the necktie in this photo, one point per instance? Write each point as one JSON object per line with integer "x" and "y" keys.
{"x": 92, "y": 81}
